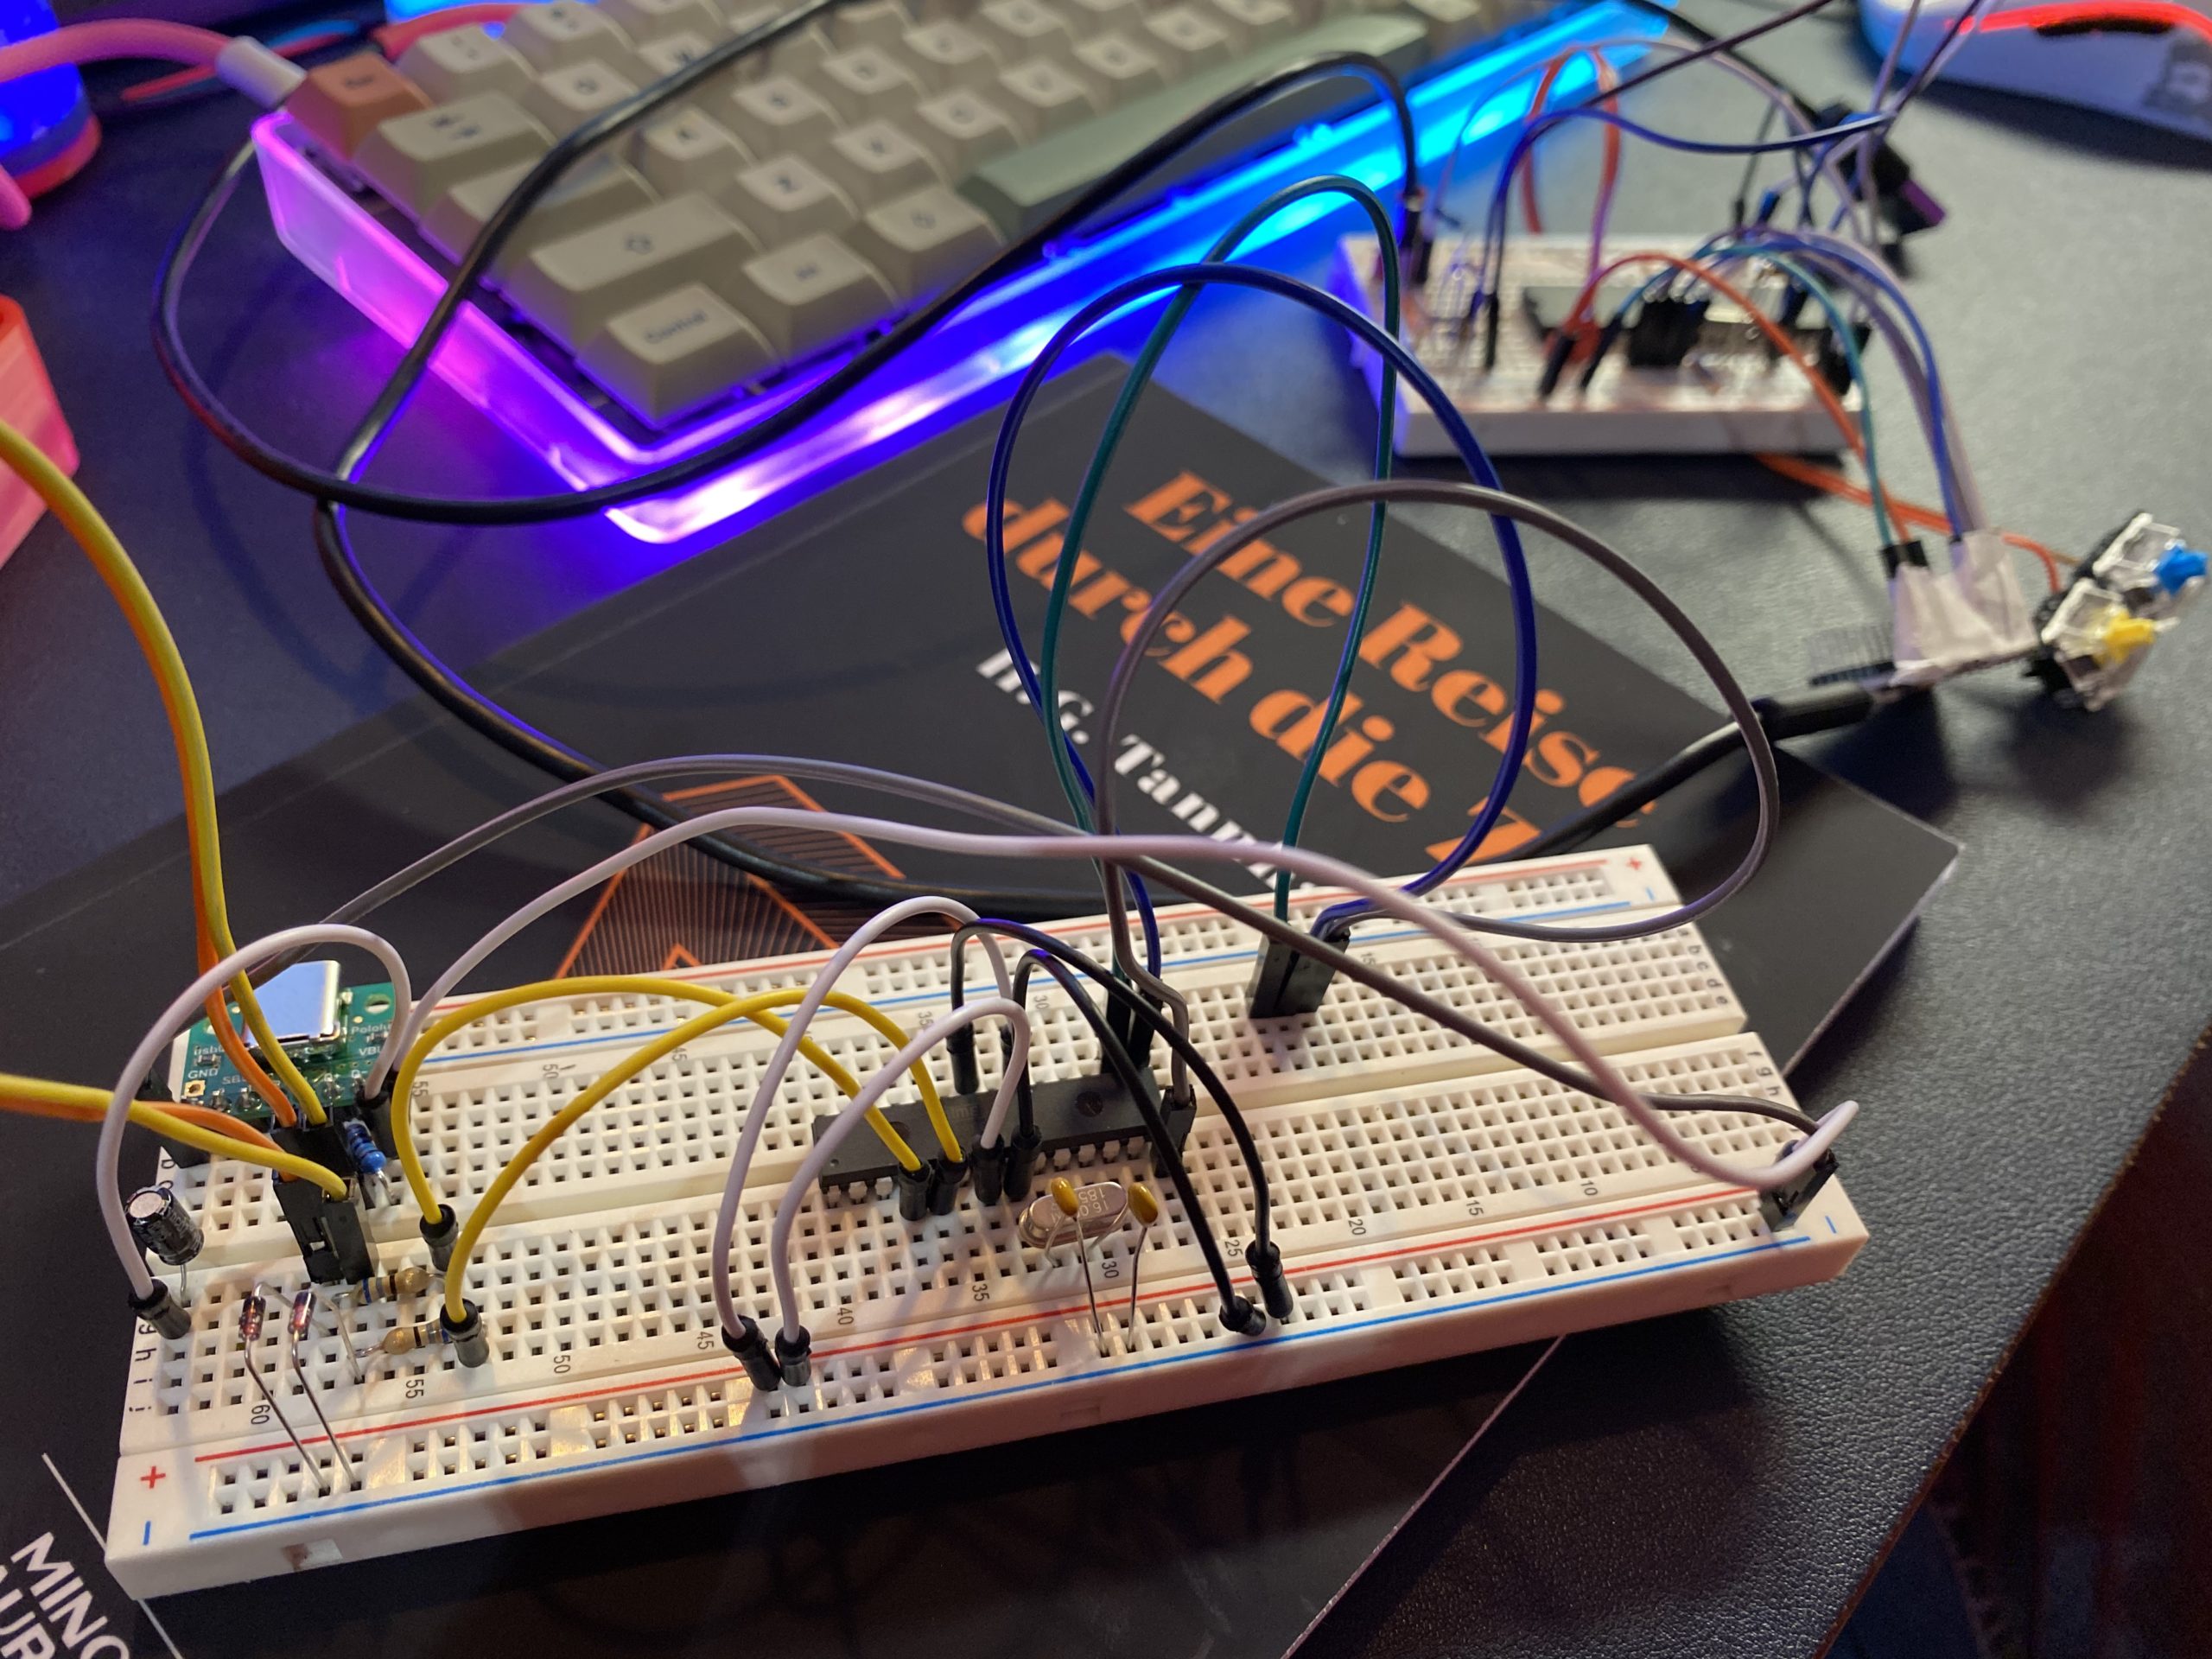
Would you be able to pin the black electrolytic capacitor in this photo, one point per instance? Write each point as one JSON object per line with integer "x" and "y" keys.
{"x": 160, "y": 1223}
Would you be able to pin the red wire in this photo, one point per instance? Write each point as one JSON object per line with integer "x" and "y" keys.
{"x": 181, "y": 78}
{"x": 2089, "y": 13}
{"x": 395, "y": 38}
{"x": 1578, "y": 318}
{"x": 1607, "y": 80}
{"x": 1905, "y": 512}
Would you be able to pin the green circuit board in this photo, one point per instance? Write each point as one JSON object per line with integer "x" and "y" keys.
{"x": 332, "y": 1064}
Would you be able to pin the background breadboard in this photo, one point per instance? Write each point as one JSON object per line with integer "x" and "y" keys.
{"x": 1738, "y": 403}
{"x": 1424, "y": 1205}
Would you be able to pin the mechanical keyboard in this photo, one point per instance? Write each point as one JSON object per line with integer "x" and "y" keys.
{"x": 703, "y": 269}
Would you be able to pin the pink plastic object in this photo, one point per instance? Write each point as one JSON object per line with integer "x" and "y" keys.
{"x": 28, "y": 404}
{"x": 119, "y": 37}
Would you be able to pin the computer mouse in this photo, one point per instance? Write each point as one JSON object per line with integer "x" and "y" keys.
{"x": 2145, "y": 60}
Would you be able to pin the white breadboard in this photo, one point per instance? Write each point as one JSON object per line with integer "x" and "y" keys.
{"x": 1736, "y": 401}
{"x": 1426, "y": 1202}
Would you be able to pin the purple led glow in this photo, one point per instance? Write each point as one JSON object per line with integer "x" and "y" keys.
{"x": 939, "y": 382}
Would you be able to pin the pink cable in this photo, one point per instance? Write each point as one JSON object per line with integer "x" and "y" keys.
{"x": 76, "y": 44}
{"x": 122, "y": 37}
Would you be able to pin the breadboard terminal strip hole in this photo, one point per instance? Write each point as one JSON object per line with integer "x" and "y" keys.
{"x": 562, "y": 1301}
{"x": 671, "y": 1131}
{"x": 422, "y": 1455}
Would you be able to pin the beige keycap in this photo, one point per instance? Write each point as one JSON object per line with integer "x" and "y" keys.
{"x": 566, "y": 98}
{"x": 964, "y": 131}
{"x": 1040, "y": 96}
{"x": 787, "y": 198}
{"x": 1188, "y": 40}
{"x": 1117, "y": 70}
{"x": 689, "y": 150}
{"x": 1090, "y": 18}
{"x": 454, "y": 63}
{"x": 946, "y": 57}
{"x": 1453, "y": 24}
{"x": 1252, "y": 23}
{"x": 415, "y": 159}
{"x": 1021, "y": 29}
{"x": 795, "y": 54}
{"x": 571, "y": 287}
{"x": 865, "y": 83}
{"x": 597, "y": 189}
{"x": 877, "y": 161}
{"x": 925, "y": 242}
{"x": 670, "y": 52}
{"x": 778, "y": 115}
{"x": 801, "y": 52}
{"x": 342, "y": 103}
{"x": 565, "y": 31}
{"x": 811, "y": 294}
{"x": 671, "y": 355}
{"x": 874, "y": 22}
{"x": 655, "y": 20}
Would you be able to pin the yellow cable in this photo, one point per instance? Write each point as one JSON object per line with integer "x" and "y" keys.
{"x": 71, "y": 1100}
{"x": 552, "y": 1130}
{"x": 82, "y": 520}
{"x": 79, "y": 1104}
{"x": 403, "y": 1086}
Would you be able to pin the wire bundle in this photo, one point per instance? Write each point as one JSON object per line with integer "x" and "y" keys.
{"x": 419, "y": 1025}
{"x": 1838, "y": 274}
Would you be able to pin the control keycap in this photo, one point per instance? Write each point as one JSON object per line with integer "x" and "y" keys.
{"x": 672, "y": 354}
